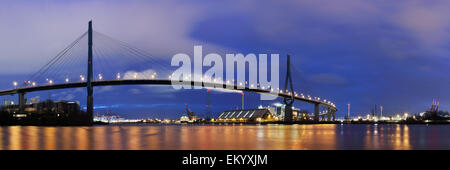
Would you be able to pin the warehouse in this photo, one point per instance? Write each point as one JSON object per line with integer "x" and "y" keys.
{"x": 248, "y": 115}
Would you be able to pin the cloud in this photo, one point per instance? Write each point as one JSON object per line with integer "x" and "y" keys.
{"x": 67, "y": 97}
{"x": 135, "y": 91}
{"x": 147, "y": 74}
{"x": 104, "y": 89}
{"x": 36, "y": 31}
{"x": 328, "y": 78}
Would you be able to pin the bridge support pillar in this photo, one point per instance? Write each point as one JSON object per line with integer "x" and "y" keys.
{"x": 334, "y": 116}
{"x": 328, "y": 114}
{"x": 316, "y": 112}
{"x": 21, "y": 102}
{"x": 288, "y": 113}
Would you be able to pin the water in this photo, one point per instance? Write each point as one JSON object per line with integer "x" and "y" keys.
{"x": 248, "y": 137}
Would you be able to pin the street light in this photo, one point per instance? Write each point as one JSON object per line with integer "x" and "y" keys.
{"x": 15, "y": 84}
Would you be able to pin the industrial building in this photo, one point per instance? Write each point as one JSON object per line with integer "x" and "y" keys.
{"x": 45, "y": 112}
{"x": 262, "y": 114}
{"x": 247, "y": 115}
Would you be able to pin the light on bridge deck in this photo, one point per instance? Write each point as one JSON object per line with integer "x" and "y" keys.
{"x": 67, "y": 80}
{"x": 15, "y": 84}
{"x": 100, "y": 76}
{"x": 118, "y": 76}
{"x": 82, "y": 77}
{"x": 50, "y": 81}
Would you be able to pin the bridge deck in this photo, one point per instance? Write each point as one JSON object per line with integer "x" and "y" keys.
{"x": 154, "y": 82}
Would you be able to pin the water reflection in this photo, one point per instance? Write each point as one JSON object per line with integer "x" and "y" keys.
{"x": 239, "y": 137}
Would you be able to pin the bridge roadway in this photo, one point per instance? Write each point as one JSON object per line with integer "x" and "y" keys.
{"x": 24, "y": 90}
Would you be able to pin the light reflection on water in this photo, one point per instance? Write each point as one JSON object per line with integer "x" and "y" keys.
{"x": 236, "y": 137}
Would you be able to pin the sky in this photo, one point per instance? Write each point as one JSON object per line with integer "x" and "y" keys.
{"x": 363, "y": 53}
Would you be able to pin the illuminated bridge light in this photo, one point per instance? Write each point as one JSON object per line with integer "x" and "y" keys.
{"x": 14, "y": 83}
{"x": 33, "y": 84}
{"x": 50, "y": 81}
{"x": 67, "y": 80}
{"x": 118, "y": 76}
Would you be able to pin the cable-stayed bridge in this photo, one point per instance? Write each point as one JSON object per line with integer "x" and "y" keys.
{"x": 113, "y": 61}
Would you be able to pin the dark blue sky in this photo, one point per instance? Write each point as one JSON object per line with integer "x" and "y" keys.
{"x": 394, "y": 54}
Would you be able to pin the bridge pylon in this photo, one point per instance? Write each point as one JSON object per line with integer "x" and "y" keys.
{"x": 90, "y": 89}
{"x": 288, "y": 101}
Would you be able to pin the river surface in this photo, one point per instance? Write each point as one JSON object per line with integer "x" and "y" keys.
{"x": 234, "y": 137}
